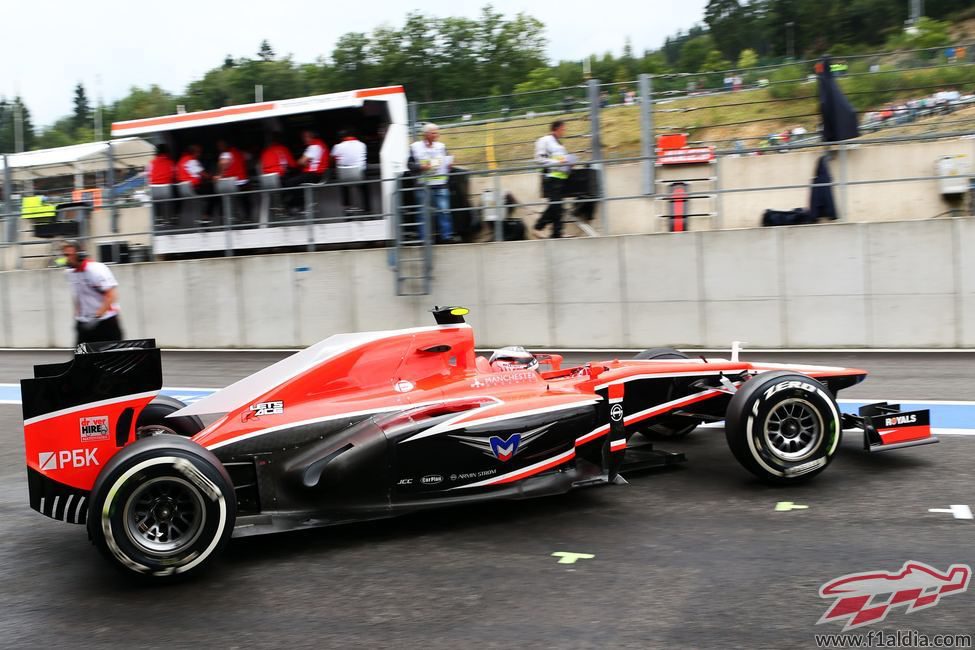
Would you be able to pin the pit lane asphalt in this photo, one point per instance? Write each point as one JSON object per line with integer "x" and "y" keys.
{"x": 691, "y": 557}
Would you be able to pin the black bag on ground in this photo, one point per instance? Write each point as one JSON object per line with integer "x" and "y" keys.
{"x": 795, "y": 217}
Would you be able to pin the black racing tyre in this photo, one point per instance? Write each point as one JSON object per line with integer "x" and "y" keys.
{"x": 783, "y": 427}
{"x": 154, "y": 419}
{"x": 676, "y": 426}
{"x": 661, "y": 353}
{"x": 162, "y": 508}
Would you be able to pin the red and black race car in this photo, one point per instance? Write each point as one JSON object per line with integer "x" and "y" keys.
{"x": 377, "y": 424}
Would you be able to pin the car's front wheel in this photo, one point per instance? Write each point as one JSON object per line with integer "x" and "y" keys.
{"x": 783, "y": 426}
{"x": 162, "y": 508}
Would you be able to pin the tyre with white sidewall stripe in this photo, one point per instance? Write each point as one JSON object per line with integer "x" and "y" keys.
{"x": 162, "y": 508}
{"x": 783, "y": 426}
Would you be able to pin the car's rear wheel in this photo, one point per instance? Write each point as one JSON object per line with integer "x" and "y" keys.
{"x": 154, "y": 419}
{"x": 783, "y": 426}
{"x": 675, "y": 426}
{"x": 162, "y": 508}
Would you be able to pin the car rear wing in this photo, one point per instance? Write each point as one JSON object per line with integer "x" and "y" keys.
{"x": 885, "y": 426}
{"x": 78, "y": 414}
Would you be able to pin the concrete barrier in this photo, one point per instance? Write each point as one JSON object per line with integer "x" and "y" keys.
{"x": 882, "y": 284}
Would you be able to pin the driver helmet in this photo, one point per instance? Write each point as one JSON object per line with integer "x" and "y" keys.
{"x": 513, "y": 357}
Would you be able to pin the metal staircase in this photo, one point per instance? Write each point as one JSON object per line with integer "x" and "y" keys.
{"x": 412, "y": 253}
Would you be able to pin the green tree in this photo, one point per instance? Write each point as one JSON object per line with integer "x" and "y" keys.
{"x": 714, "y": 62}
{"x": 538, "y": 79}
{"x": 8, "y": 121}
{"x": 694, "y": 53}
{"x": 81, "y": 117}
{"x": 349, "y": 58}
{"x": 60, "y": 134}
{"x": 747, "y": 59}
{"x": 265, "y": 52}
{"x": 139, "y": 103}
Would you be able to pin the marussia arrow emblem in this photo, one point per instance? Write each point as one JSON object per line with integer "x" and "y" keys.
{"x": 504, "y": 449}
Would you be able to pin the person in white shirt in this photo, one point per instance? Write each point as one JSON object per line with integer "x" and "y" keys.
{"x": 556, "y": 164}
{"x": 431, "y": 160}
{"x": 349, "y": 157}
{"x": 94, "y": 292}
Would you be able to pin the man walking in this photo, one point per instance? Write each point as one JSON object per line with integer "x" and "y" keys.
{"x": 556, "y": 164}
{"x": 94, "y": 292}
{"x": 430, "y": 156}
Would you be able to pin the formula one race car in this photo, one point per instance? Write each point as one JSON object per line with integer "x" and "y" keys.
{"x": 371, "y": 425}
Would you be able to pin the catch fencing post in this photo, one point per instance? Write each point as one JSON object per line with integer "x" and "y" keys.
{"x": 227, "y": 220}
{"x": 844, "y": 190}
{"x": 413, "y": 117}
{"x": 498, "y": 202}
{"x": 309, "y": 217}
{"x": 9, "y": 218}
{"x": 110, "y": 190}
{"x": 647, "y": 140}
{"x": 597, "y": 149}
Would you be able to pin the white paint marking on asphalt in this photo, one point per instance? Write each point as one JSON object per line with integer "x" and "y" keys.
{"x": 959, "y": 511}
{"x": 786, "y": 506}
{"x": 566, "y": 557}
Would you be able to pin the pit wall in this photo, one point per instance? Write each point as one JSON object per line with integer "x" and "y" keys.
{"x": 885, "y": 284}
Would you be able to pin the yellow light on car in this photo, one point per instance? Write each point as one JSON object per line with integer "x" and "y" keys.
{"x": 459, "y": 311}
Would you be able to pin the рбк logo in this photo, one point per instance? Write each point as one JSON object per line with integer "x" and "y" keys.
{"x": 865, "y": 598}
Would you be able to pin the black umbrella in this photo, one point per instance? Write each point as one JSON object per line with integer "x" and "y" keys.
{"x": 839, "y": 118}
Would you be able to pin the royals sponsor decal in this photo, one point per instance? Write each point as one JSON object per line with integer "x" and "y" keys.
{"x": 504, "y": 448}
{"x": 898, "y": 420}
{"x": 95, "y": 428}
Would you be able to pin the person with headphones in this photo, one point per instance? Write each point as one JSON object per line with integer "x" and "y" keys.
{"x": 94, "y": 292}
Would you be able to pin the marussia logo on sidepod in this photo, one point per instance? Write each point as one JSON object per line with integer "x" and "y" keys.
{"x": 504, "y": 449}
{"x": 865, "y": 598}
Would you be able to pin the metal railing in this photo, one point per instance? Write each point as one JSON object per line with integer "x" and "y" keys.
{"x": 493, "y": 139}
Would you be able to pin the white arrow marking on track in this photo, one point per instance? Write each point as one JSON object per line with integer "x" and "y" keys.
{"x": 959, "y": 511}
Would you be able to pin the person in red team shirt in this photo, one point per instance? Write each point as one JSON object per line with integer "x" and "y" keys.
{"x": 276, "y": 158}
{"x": 313, "y": 164}
{"x": 314, "y": 161}
{"x": 189, "y": 168}
{"x": 161, "y": 169}
{"x": 232, "y": 163}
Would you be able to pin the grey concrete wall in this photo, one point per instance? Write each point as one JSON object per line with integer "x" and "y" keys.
{"x": 884, "y": 284}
